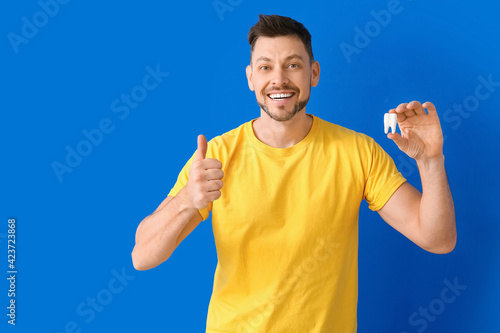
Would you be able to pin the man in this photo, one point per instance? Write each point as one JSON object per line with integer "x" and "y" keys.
{"x": 285, "y": 219}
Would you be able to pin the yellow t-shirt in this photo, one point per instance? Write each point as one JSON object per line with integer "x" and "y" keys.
{"x": 286, "y": 228}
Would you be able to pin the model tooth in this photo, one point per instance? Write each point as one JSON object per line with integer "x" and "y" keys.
{"x": 390, "y": 120}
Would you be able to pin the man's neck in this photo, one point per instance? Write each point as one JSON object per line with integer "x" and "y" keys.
{"x": 282, "y": 134}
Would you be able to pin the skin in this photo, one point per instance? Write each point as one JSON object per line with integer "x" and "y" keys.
{"x": 281, "y": 64}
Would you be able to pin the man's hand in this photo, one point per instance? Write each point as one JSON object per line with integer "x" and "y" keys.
{"x": 205, "y": 177}
{"x": 421, "y": 135}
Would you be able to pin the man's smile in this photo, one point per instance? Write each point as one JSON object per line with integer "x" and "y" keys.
{"x": 280, "y": 96}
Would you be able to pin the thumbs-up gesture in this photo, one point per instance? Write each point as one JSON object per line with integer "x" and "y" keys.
{"x": 205, "y": 177}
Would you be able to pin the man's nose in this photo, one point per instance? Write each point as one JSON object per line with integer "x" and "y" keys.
{"x": 279, "y": 78}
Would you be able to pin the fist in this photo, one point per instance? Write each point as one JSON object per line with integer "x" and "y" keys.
{"x": 205, "y": 177}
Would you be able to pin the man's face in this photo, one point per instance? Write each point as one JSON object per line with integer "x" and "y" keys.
{"x": 281, "y": 75}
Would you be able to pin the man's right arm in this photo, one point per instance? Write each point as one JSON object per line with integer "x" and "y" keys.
{"x": 159, "y": 234}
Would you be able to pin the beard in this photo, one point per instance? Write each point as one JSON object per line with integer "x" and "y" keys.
{"x": 299, "y": 106}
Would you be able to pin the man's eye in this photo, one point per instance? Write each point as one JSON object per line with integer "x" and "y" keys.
{"x": 264, "y": 67}
{"x": 294, "y": 66}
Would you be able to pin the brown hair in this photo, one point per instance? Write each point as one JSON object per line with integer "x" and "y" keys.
{"x": 274, "y": 26}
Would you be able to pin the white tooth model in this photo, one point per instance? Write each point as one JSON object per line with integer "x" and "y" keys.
{"x": 390, "y": 120}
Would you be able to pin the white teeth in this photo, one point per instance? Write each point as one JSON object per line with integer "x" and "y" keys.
{"x": 390, "y": 120}
{"x": 280, "y": 96}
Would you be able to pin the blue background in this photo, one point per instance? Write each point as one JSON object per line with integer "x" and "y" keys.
{"x": 76, "y": 233}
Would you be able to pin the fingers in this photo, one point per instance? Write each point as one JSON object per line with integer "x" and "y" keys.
{"x": 211, "y": 163}
{"x": 211, "y": 187}
{"x": 401, "y": 108}
{"x": 431, "y": 109}
{"x": 407, "y": 110}
{"x": 403, "y": 112}
{"x": 201, "y": 152}
{"x": 416, "y": 107}
{"x": 214, "y": 185}
{"x": 401, "y": 116}
{"x": 213, "y": 195}
{"x": 214, "y": 174}
{"x": 205, "y": 182}
{"x": 206, "y": 170}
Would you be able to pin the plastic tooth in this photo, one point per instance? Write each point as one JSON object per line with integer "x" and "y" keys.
{"x": 390, "y": 120}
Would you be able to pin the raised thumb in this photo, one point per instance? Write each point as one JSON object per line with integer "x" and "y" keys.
{"x": 201, "y": 152}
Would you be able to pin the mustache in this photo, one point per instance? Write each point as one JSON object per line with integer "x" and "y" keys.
{"x": 280, "y": 89}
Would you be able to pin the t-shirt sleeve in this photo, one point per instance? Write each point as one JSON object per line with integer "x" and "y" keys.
{"x": 383, "y": 178}
{"x": 182, "y": 180}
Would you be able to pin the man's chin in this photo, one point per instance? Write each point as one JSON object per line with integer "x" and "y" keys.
{"x": 282, "y": 117}
{"x": 281, "y": 114}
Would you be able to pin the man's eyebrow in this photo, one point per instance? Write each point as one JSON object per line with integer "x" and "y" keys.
{"x": 262, "y": 59}
{"x": 290, "y": 57}
{"x": 294, "y": 56}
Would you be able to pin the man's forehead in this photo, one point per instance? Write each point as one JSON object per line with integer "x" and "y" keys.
{"x": 287, "y": 47}
{"x": 278, "y": 41}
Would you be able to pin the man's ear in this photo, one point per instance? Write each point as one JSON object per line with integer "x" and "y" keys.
{"x": 249, "y": 77}
{"x": 315, "y": 70}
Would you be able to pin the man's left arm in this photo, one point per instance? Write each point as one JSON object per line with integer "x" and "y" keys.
{"x": 427, "y": 218}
